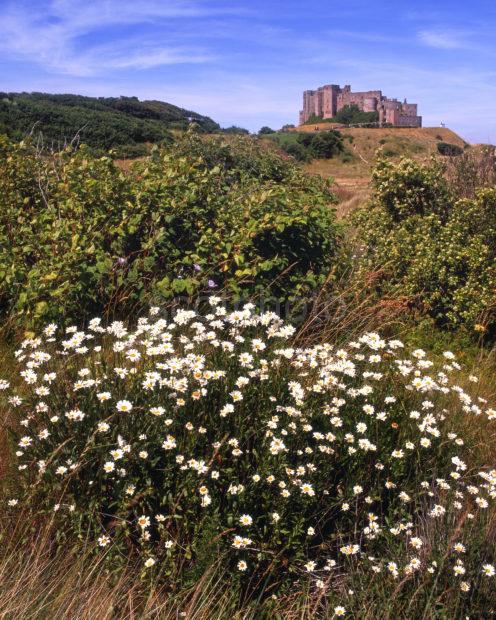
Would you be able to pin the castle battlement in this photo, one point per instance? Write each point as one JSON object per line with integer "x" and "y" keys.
{"x": 329, "y": 99}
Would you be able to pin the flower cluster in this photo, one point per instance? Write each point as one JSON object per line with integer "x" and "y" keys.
{"x": 213, "y": 432}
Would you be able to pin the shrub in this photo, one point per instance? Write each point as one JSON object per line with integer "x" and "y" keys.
{"x": 306, "y": 146}
{"x": 234, "y": 129}
{"x": 473, "y": 170}
{"x": 213, "y": 436}
{"x": 450, "y": 150}
{"x": 265, "y": 130}
{"x": 431, "y": 247}
{"x": 326, "y": 145}
{"x": 78, "y": 237}
{"x": 298, "y": 151}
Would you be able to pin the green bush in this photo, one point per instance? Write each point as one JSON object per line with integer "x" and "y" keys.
{"x": 298, "y": 151}
{"x": 348, "y": 115}
{"x": 265, "y": 130}
{"x": 306, "y": 146}
{"x": 78, "y": 236}
{"x": 431, "y": 247}
{"x": 326, "y": 145}
{"x": 450, "y": 150}
{"x": 196, "y": 437}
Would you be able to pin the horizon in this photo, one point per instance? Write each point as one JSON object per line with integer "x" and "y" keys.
{"x": 249, "y": 65}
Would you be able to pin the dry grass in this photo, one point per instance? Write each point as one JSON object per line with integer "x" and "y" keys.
{"x": 352, "y": 178}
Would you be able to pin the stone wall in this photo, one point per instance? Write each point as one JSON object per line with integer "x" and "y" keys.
{"x": 329, "y": 99}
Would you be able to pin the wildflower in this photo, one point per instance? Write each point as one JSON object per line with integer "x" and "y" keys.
{"x": 242, "y": 565}
{"x": 245, "y": 520}
{"x": 339, "y": 611}
{"x": 437, "y": 511}
{"x": 310, "y": 566}
{"x": 150, "y": 562}
{"x": 108, "y": 467}
{"x": 307, "y": 489}
{"x": 124, "y": 406}
{"x": 393, "y": 568}
{"x": 103, "y": 540}
{"x": 488, "y": 570}
{"x": 144, "y": 521}
{"x": 157, "y": 411}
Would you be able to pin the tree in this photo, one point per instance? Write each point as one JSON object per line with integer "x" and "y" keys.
{"x": 235, "y": 130}
{"x": 265, "y": 130}
{"x": 326, "y": 145}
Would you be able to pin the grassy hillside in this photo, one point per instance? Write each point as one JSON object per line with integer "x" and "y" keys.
{"x": 99, "y": 122}
{"x": 352, "y": 174}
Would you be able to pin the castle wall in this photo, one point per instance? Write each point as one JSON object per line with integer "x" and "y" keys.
{"x": 347, "y": 97}
{"x": 329, "y": 99}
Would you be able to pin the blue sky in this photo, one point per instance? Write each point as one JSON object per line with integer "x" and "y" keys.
{"x": 247, "y": 63}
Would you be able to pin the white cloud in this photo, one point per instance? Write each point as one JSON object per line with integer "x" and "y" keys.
{"x": 54, "y": 40}
{"x": 443, "y": 39}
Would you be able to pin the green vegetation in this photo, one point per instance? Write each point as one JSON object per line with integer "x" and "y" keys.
{"x": 307, "y": 146}
{"x": 184, "y": 439}
{"x": 235, "y": 130}
{"x": 167, "y": 450}
{"x": 99, "y": 122}
{"x": 348, "y": 115}
{"x": 430, "y": 246}
{"x": 450, "y": 150}
{"x": 201, "y": 214}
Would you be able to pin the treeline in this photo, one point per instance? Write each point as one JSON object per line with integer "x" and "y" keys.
{"x": 348, "y": 115}
{"x": 125, "y": 123}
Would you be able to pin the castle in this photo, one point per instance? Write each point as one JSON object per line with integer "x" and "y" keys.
{"x": 328, "y": 100}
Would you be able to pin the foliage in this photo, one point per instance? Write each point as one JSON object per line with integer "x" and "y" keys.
{"x": 306, "y": 146}
{"x": 431, "y": 247}
{"x": 265, "y": 130}
{"x": 348, "y": 115}
{"x": 450, "y": 150}
{"x": 78, "y": 236}
{"x": 235, "y": 130}
{"x": 99, "y": 122}
{"x": 473, "y": 170}
{"x": 326, "y": 145}
{"x": 194, "y": 437}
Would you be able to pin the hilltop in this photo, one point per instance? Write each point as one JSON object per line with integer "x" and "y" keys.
{"x": 352, "y": 171}
{"x": 100, "y": 122}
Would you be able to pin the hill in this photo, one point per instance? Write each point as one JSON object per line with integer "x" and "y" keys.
{"x": 100, "y": 122}
{"x": 352, "y": 171}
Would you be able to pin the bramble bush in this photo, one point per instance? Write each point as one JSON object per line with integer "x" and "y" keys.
{"x": 197, "y": 437}
{"x": 431, "y": 246}
{"x": 79, "y": 237}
